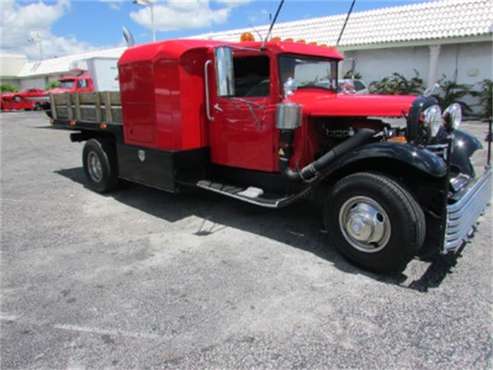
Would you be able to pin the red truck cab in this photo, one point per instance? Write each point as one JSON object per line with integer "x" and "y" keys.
{"x": 76, "y": 81}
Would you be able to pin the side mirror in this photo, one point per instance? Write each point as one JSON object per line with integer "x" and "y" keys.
{"x": 290, "y": 86}
{"x": 225, "y": 79}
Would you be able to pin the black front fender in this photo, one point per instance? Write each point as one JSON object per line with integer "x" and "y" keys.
{"x": 463, "y": 147}
{"x": 418, "y": 158}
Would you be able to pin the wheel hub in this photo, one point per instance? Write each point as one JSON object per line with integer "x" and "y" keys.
{"x": 364, "y": 224}
{"x": 94, "y": 167}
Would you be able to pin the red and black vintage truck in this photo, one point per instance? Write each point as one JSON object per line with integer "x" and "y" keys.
{"x": 265, "y": 123}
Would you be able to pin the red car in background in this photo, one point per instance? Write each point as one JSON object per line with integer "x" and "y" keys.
{"x": 30, "y": 99}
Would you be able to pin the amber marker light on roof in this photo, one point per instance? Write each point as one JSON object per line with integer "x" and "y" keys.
{"x": 275, "y": 39}
{"x": 288, "y": 40}
{"x": 301, "y": 41}
{"x": 247, "y": 36}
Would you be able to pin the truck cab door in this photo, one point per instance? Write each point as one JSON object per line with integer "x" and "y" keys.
{"x": 242, "y": 128}
{"x": 84, "y": 85}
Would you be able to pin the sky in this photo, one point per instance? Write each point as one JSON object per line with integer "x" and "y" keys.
{"x": 63, "y": 27}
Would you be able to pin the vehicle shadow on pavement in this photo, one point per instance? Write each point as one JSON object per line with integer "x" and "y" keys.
{"x": 298, "y": 226}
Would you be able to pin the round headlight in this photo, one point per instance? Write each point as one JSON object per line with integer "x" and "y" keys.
{"x": 453, "y": 116}
{"x": 432, "y": 119}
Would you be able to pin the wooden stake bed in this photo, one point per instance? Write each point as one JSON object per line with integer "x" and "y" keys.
{"x": 95, "y": 107}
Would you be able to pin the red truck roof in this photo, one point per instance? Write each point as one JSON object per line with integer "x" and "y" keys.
{"x": 75, "y": 75}
{"x": 174, "y": 49}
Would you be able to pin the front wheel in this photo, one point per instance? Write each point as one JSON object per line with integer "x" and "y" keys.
{"x": 374, "y": 222}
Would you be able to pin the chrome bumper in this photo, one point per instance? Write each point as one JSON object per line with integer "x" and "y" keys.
{"x": 463, "y": 214}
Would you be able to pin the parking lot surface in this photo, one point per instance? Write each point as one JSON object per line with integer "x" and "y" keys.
{"x": 144, "y": 279}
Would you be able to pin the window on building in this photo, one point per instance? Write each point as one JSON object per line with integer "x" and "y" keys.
{"x": 252, "y": 76}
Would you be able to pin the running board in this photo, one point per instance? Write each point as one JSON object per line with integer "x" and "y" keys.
{"x": 237, "y": 192}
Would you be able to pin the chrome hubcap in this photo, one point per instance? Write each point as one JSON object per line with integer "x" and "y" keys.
{"x": 94, "y": 167}
{"x": 364, "y": 224}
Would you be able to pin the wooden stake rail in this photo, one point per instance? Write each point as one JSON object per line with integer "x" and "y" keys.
{"x": 95, "y": 107}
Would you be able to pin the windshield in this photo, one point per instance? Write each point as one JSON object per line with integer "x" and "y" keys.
{"x": 309, "y": 71}
{"x": 66, "y": 84}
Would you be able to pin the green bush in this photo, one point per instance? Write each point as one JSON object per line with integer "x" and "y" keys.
{"x": 352, "y": 75}
{"x": 398, "y": 84}
{"x": 453, "y": 92}
{"x": 52, "y": 85}
{"x": 8, "y": 88}
{"x": 485, "y": 98}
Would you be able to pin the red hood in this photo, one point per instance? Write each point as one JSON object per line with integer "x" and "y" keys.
{"x": 319, "y": 103}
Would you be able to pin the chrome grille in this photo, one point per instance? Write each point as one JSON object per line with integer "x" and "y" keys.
{"x": 463, "y": 214}
{"x": 438, "y": 149}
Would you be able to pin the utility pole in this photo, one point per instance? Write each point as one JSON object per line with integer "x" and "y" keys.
{"x": 35, "y": 38}
{"x": 150, "y": 4}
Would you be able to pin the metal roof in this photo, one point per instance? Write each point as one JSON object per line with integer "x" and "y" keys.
{"x": 426, "y": 21}
{"x": 65, "y": 63}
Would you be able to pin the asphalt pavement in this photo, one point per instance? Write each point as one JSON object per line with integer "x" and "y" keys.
{"x": 144, "y": 279}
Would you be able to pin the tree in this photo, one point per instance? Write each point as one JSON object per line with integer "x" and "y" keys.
{"x": 6, "y": 87}
{"x": 453, "y": 92}
{"x": 52, "y": 85}
{"x": 486, "y": 98}
{"x": 398, "y": 84}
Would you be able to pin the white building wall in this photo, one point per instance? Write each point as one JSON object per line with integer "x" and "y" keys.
{"x": 373, "y": 65}
{"x": 475, "y": 62}
{"x": 11, "y": 64}
{"x": 468, "y": 63}
{"x": 33, "y": 83}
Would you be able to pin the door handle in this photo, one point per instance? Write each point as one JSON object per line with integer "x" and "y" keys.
{"x": 218, "y": 107}
{"x": 206, "y": 85}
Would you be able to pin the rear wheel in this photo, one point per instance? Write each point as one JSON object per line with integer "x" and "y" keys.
{"x": 100, "y": 165}
{"x": 374, "y": 222}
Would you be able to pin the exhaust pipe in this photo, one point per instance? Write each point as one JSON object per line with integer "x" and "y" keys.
{"x": 310, "y": 171}
{"x": 288, "y": 118}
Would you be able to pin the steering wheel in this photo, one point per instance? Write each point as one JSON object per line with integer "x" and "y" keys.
{"x": 261, "y": 88}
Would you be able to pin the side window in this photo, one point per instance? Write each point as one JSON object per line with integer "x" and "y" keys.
{"x": 252, "y": 76}
{"x": 82, "y": 83}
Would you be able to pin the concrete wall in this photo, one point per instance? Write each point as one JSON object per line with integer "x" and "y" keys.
{"x": 11, "y": 64}
{"x": 469, "y": 63}
{"x": 31, "y": 83}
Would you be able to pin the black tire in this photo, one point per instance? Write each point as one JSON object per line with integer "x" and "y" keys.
{"x": 400, "y": 211}
{"x": 105, "y": 178}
